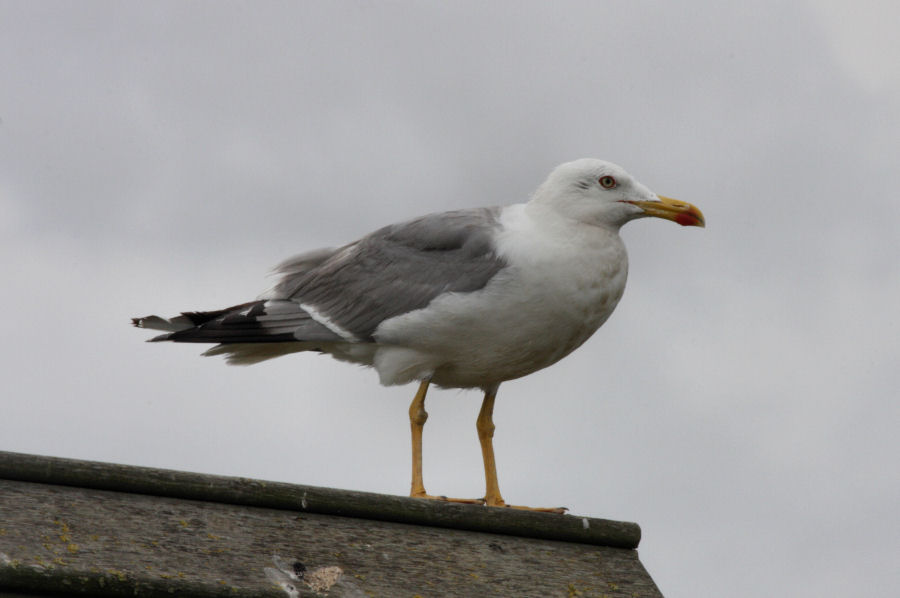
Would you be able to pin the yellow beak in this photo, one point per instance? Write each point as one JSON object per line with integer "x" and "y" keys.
{"x": 681, "y": 212}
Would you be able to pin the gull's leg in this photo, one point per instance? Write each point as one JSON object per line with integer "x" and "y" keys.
{"x": 417, "y": 418}
{"x": 485, "y": 426}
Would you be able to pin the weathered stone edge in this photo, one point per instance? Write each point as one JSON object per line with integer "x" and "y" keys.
{"x": 329, "y": 501}
{"x": 65, "y": 582}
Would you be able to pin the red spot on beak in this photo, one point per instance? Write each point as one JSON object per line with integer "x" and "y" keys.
{"x": 687, "y": 219}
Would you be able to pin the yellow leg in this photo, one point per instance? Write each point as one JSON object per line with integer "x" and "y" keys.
{"x": 417, "y": 418}
{"x": 485, "y": 426}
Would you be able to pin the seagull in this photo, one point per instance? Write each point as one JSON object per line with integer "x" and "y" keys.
{"x": 461, "y": 299}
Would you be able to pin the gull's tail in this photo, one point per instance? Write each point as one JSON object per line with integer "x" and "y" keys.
{"x": 245, "y": 333}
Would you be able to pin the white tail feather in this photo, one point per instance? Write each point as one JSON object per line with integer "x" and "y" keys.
{"x": 171, "y": 325}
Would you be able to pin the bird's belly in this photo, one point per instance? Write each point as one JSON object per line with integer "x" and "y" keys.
{"x": 510, "y": 329}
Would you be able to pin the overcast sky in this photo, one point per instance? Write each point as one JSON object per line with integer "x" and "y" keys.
{"x": 741, "y": 404}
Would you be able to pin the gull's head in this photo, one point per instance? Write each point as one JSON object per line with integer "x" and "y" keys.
{"x": 602, "y": 193}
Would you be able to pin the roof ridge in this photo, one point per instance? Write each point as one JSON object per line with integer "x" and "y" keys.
{"x": 314, "y": 499}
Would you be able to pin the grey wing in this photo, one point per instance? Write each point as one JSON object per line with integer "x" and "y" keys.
{"x": 392, "y": 271}
{"x": 398, "y": 269}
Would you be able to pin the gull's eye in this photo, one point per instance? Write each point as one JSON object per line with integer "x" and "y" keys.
{"x": 607, "y": 182}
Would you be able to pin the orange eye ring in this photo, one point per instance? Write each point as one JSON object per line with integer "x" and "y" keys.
{"x": 607, "y": 182}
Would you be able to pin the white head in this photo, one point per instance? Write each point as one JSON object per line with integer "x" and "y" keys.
{"x": 603, "y": 194}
